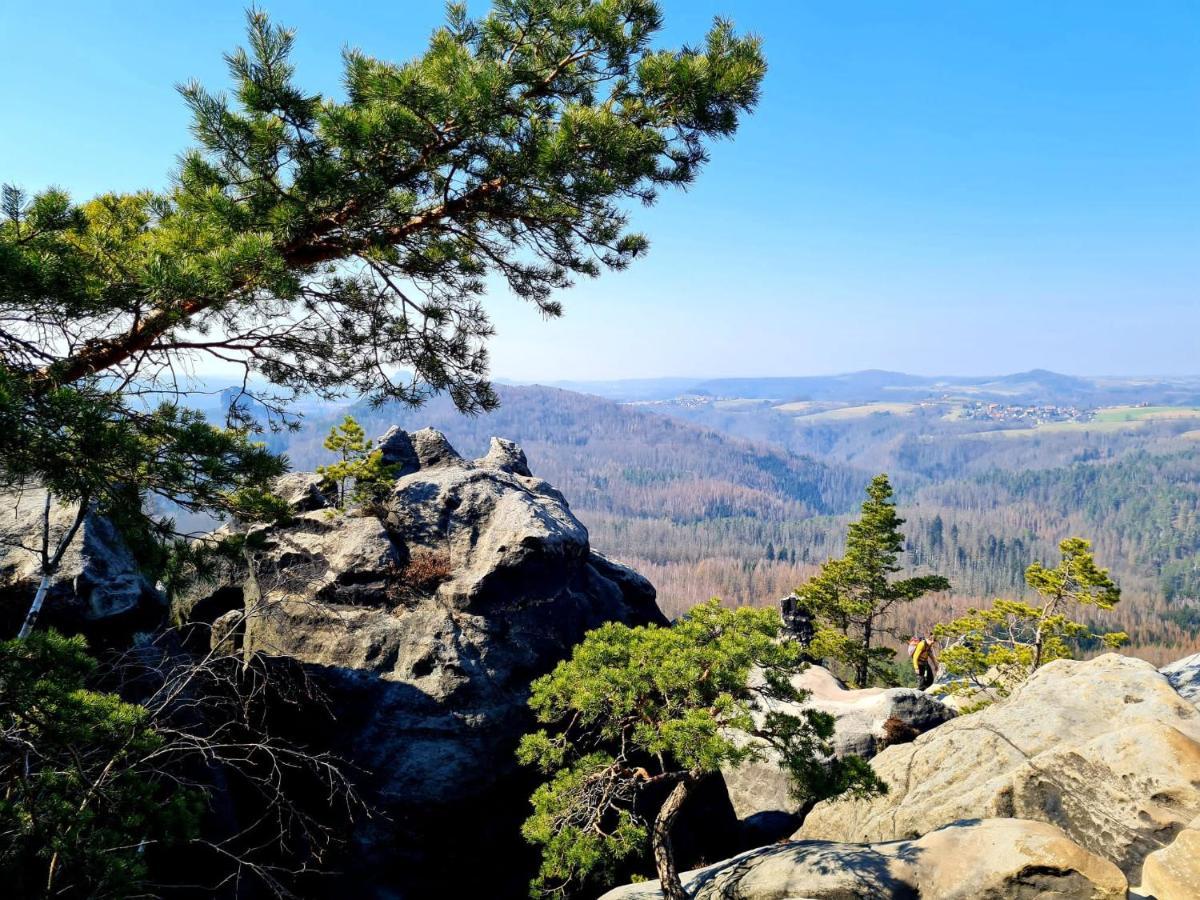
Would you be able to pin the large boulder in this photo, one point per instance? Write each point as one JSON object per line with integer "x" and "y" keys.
{"x": 1184, "y": 675}
{"x": 992, "y": 859}
{"x": 1173, "y": 873}
{"x": 1104, "y": 749}
{"x": 425, "y": 625}
{"x": 866, "y": 722}
{"x": 99, "y": 584}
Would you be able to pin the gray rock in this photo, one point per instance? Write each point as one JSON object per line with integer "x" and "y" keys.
{"x": 867, "y": 721}
{"x": 1184, "y": 675}
{"x": 1104, "y": 749}
{"x": 99, "y": 579}
{"x": 990, "y": 859}
{"x": 507, "y": 457}
{"x": 396, "y": 448}
{"x": 301, "y": 491}
{"x": 427, "y": 627}
{"x": 432, "y": 448}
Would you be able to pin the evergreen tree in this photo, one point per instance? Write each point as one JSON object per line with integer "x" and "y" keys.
{"x": 853, "y": 597}
{"x": 329, "y": 243}
{"x": 83, "y": 793}
{"x": 640, "y": 709}
{"x": 326, "y": 245}
{"x": 998, "y": 648}
{"x": 357, "y": 463}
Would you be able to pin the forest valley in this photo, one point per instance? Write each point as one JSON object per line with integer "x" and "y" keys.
{"x": 744, "y": 503}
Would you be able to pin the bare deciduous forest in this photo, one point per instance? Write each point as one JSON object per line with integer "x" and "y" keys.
{"x": 745, "y": 505}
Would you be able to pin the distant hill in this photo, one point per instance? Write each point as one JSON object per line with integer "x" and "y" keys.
{"x": 626, "y": 389}
{"x": 875, "y": 385}
{"x": 615, "y": 459}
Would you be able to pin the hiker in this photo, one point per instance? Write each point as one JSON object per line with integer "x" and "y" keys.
{"x": 924, "y": 661}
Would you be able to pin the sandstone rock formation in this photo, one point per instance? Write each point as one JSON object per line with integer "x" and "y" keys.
{"x": 426, "y": 625}
{"x": 1184, "y": 675}
{"x": 98, "y": 581}
{"x": 867, "y": 721}
{"x": 972, "y": 860}
{"x": 1173, "y": 873}
{"x": 1104, "y": 749}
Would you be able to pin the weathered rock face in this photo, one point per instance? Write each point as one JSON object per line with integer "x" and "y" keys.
{"x": 98, "y": 582}
{"x": 867, "y": 721}
{"x": 427, "y": 625}
{"x": 992, "y": 859}
{"x": 1104, "y": 749}
{"x": 1173, "y": 873}
{"x": 1184, "y": 675}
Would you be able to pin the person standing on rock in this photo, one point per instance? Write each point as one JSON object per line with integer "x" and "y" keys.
{"x": 924, "y": 660}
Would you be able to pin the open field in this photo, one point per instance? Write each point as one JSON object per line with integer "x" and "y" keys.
{"x": 806, "y": 407}
{"x": 1143, "y": 413}
{"x": 856, "y": 412}
{"x": 741, "y": 403}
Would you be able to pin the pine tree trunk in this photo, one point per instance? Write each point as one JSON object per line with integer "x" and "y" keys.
{"x": 863, "y": 672}
{"x": 664, "y": 853}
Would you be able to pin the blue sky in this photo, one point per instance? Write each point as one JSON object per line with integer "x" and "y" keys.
{"x": 935, "y": 187}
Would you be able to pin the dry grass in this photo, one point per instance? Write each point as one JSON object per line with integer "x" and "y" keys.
{"x": 421, "y": 575}
{"x": 897, "y": 731}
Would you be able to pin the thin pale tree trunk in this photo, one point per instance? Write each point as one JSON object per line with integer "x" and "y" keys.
{"x": 36, "y": 607}
{"x": 51, "y": 561}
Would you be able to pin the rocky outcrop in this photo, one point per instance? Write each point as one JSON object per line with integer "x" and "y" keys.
{"x": 302, "y": 491}
{"x": 867, "y": 721}
{"x": 98, "y": 583}
{"x": 1104, "y": 749}
{"x": 1184, "y": 675}
{"x": 973, "y": 860}
{"x": 425, "y": 625}
{"x": 1173, "y": 873}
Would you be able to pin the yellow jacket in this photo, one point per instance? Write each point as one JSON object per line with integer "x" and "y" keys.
{"x": 922, "y": 649}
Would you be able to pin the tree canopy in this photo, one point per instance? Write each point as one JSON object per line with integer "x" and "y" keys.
{"x": 342, "y": 245}
{"x": 328, "y": 243}
{"x": 993, "y": 650}
{"x": 82, "y": 792}
{"x": 639, "y": 710}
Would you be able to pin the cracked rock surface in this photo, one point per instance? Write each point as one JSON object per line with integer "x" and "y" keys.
{"x": 1105, "y": 749}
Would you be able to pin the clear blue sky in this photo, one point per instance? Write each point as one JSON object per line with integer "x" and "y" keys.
{"x": 935, "y": 187}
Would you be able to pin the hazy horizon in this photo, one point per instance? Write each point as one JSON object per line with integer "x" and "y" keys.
{"x": 676, "y": 376}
